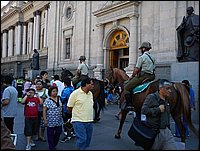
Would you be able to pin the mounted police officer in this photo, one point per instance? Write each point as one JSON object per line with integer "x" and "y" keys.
{"x": 81, "y": 72}
{"x": 144, "y": 69}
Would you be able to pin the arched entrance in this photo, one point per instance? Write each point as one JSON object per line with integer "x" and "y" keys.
{"x": 119, "y": 50}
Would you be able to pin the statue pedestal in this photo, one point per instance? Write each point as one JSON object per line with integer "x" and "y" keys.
{"x": 33, "y": 73}
{"x": 187, "y": 71}
{"x": 98, "y": 71}
{"x": 129, "y": 70}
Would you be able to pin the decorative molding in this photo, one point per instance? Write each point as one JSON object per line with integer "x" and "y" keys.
{"x": 31, "y": 20}
{"x": 10, "y": 13}
{"x": 19, "y": 23}
{"x": 5, "y": 31}
{"x": 25, "y": 23}
{"x": 47, "y": 6}
{"x": 114, "y": 7}
{"x": 11, "y": 27}
{"x": 117, "y": 11}
{"x": 27, "y": 6}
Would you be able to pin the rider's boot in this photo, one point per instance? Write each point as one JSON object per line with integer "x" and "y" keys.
{"x": 129, "y": 105}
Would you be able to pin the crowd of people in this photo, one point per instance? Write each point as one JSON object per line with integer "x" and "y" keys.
{"x": 56, "y": 106}
{"x": 43, "y": 103}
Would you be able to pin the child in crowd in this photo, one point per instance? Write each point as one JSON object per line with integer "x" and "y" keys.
{"x": 31, "y": 116}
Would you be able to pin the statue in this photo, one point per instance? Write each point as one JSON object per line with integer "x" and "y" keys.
{"x": 35, "y": 60}
{"x": 188, "y": 37}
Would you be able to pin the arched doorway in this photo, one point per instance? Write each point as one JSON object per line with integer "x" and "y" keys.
{"x": 119, "y": 50}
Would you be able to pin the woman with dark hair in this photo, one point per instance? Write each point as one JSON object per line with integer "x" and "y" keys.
{"x": 52, "y": 115}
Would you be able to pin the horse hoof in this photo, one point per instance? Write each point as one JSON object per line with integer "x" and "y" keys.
{"x": 117, "y": 136}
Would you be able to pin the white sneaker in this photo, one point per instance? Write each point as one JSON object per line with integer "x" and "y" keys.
{"x": 28, "y": 147}
{"x": 32, "y": 144}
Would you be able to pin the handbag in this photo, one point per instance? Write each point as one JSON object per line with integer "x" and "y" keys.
{"x": 142, "y": 134}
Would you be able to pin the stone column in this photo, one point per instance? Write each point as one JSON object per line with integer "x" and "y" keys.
{"x": 24, "y": 48}
{"x": 10, "y": 41}
{"x": 37, "y": 32}
{"x": 5, "y": 43}
{"x": 34, "y": 29}
{"x": 99, "y": 68}
{"x": 133, "y": 48}
{"x": 30, "y": 35}
{"x": 105, "y": 59}
{"x": 19, "y": 38}
{"x": 15, "y": 42}
{"x": 46, "y": 25}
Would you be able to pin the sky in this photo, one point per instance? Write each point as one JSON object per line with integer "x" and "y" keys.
{"x": 3, "y": 3}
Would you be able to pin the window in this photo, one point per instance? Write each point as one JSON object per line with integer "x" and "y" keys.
{"x": 43, "y": 38}
{"x": 119, "y": 40}
{"x": 69, "y": 13}
{"x": 67, "y": 51}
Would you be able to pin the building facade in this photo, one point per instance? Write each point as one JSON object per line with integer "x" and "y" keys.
{"x": 108, "y": 33}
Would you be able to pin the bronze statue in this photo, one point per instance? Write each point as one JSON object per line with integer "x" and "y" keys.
{"x": 35, "y": 60}
{"x": 188, "y": 37}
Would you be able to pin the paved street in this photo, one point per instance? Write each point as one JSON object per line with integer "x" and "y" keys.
{"x": 103, "y": 134}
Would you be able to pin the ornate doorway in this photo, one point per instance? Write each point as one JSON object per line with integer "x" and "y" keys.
{"x": 119, "y": 52}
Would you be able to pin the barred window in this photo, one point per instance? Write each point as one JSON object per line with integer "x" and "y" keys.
{"x": 67, "y": 54}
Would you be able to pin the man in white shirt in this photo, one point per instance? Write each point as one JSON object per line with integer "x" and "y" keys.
{"x": 81, "y": 72}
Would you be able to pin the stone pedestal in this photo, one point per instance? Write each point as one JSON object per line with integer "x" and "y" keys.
{"x": 129, "y": 70}
{"x": 33, "y": 73}
{"x": 187, "y": 71}
{"x": 98, "y": 71}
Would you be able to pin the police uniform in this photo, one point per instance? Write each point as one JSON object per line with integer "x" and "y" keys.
{"x": 146, "y": 63}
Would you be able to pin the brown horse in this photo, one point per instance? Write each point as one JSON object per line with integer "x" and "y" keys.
{"x": 98, "y": 93}
{"x": 178, "y": 100}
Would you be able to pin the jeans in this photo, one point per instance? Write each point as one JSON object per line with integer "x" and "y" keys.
{"x": 83, "y": 132}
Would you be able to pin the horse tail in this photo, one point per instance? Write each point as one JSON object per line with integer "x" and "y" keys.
{"x": 185, "y": 97}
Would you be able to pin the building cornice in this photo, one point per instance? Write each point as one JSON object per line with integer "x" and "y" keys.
{"x": 27, "y": 6}
{"x": 10, "y": 13}
{"x": 111, "y": 8}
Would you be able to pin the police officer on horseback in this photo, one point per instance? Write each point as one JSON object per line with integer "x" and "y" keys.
{"x": 143, "y": 70}
{"x": 81, "y": 72}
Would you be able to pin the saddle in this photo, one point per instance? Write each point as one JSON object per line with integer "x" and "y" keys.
{"x": 145, "y": 83}
{"x": 141, "y": 87}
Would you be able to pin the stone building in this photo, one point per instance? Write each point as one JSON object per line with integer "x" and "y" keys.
{"x": 108, "y": 33}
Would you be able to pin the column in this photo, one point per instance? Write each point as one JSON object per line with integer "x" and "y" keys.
{"x": 24, "y": 48}
{"x": 15, "y": 42}
{"x": 30, "y": 35}
{"x": 11, "y": 41}
{"x": 133, "y": 48}
{"x": 37, "y": 32}
{"x": 100, "y": 46}
{"x": 46, "y": 25}
{"x": 34, "y": 30}
{"x": 19, "y": 38}
{"x": 5, "y": 43}
{"x": 98, "y": 69}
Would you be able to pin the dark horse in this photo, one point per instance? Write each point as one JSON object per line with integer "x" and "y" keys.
{"x": 98, "y": 93}
{"x": 179, "y": 102}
